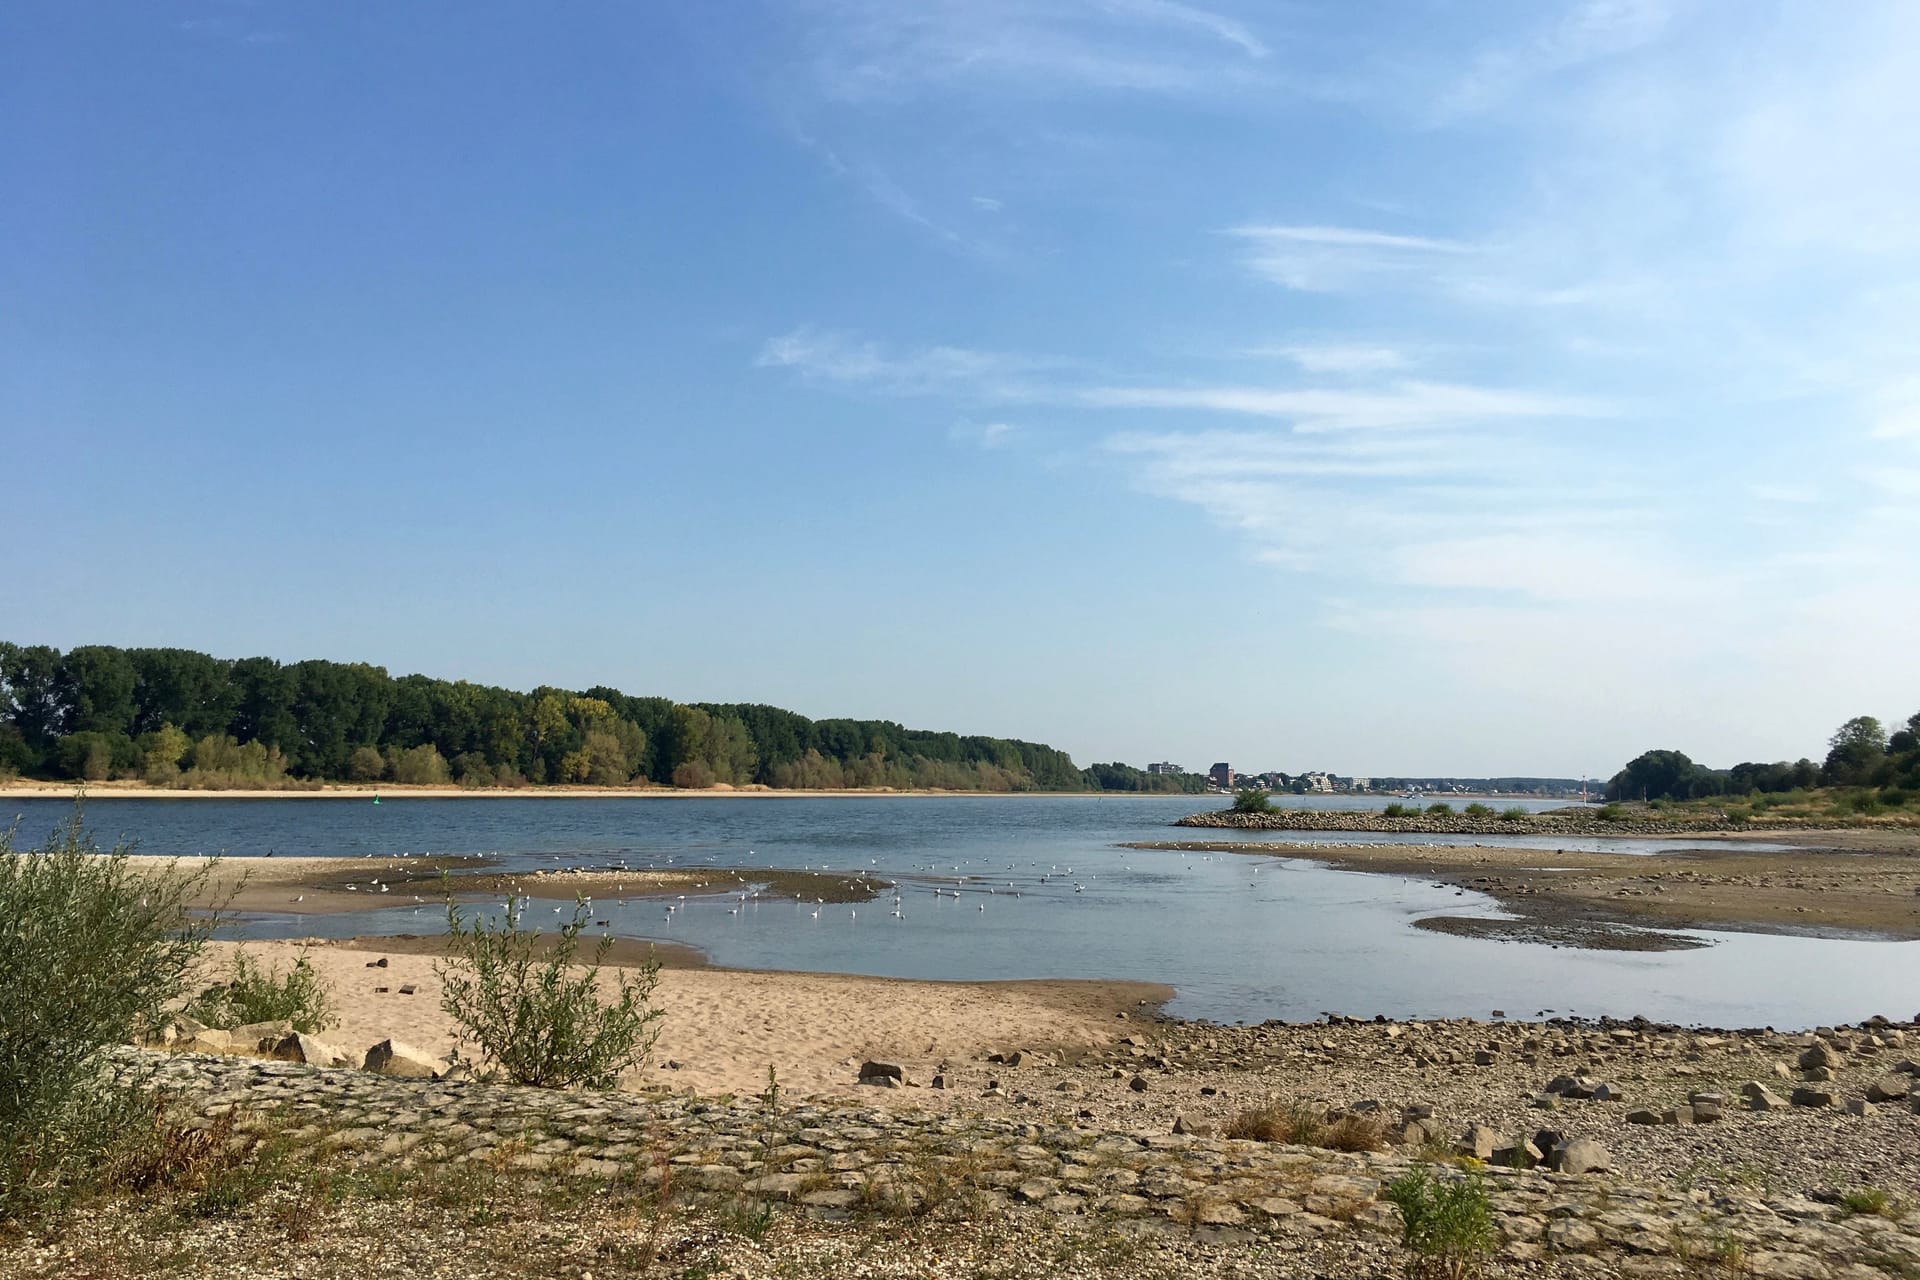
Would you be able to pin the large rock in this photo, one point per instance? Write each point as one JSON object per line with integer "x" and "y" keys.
{"x": 310, "y": 1050}
{"x": 870, "y": 1071}
{"x": 1582, "y": 1155}
{"x": 1478, "y": 1141}
{"x": 395, "y": 1058}
{"x": 260, "y": 1037}
{"x": 1889, "y": 1089}
{"x": 1808, "y": 1096}
{"x": 205, "y": 1040}
{"x": 1761, "y": 1098}
{"x": 1820, "y": 1055}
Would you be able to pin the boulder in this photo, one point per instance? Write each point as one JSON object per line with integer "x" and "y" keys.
{"x": 1859, "y": 1107}
{"x": 1521, "y": 1155}
{"x": 871, "y": 1071}
{"x": 1820, "y": 1055}
{"x": 1643, "y": 1116}
{"x": 1808, "y": 1096}
{"x": 1582, "y": 1155}
{"x": 205, "y": 1040}
{"x": 1679, "y": 1115}
{"x": 1761, "y": 1098}
{"x": 1478, "y": 1141}
{"x": 1138, "y": 1084}
{"x": 395, "y": 1058}
{"x": 1889, "y": 1089}
{"x": 1198, "y": 1128}
{"x": 310, "y": 1050}
{"x": 260, "y": 1036}
{"x": 1606, "y": 1093}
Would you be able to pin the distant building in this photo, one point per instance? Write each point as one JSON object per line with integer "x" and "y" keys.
{"x": 1363, "y": 784}
{"x": 1221, "y": 776}
{"x": 1317, "y": 781}
{"x": 1164, "y": 767}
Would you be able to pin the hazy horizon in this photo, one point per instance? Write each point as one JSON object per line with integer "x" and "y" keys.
{"x": 1477, "y": 391}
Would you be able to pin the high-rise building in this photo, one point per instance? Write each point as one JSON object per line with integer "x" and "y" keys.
{"x": 1221, "y": 776}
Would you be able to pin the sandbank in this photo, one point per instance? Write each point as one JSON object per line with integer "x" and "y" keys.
{"x": 723, "y": 1029}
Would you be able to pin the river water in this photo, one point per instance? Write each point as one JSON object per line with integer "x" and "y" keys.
{"x": 1043, "y": 891}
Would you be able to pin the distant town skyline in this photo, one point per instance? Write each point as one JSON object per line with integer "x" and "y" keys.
{"x": 1421, "y": 390}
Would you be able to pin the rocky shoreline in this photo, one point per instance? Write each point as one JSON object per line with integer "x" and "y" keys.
{"x": 1119, "y": 1146}
{"x": 1572, "y": 822}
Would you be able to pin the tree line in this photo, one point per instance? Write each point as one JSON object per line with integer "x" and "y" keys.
{"x": 1861, "y": 754}
{"x": 180, "y": 718}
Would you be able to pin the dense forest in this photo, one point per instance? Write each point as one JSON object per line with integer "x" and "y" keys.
{"x": 178, "y": 718}
{"x": 1861, "y": 755}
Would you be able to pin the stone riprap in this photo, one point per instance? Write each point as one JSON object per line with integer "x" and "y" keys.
{"x": 837, "y": 1161}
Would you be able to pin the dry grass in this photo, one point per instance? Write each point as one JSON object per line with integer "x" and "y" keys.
{"x": 1306, "y": 1125}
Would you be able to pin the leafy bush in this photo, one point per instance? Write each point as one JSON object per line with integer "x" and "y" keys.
{"x": 1513, "y": 813}
{"x": 1478, "y": 810}
{"x": 257, "y": 994}
{"x": 541, "y": 1020}
{"x": 1252, "y": 800}
{"x": 1442, "y": 809}
{"x": 1610, "y": 813}
{"x": 1446, "y": 1226}
{"x": 93, "y": 953}
{"x": 1398, "y": 810}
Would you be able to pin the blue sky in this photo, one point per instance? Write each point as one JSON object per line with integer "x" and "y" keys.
{"x": 1437, "y": 386}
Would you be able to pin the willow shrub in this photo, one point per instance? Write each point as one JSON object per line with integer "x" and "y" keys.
{"x": 538, "y": 1014}
{"x": 255, "y": 993}
{"x": 92, "y": 953}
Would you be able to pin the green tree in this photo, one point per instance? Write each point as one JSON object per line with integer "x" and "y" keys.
{"x": 96, "y": 683}
{"x": 1853, "y": 751}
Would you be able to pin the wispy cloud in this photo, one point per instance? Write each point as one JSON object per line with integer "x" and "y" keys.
{"x": 1586, "y": 32}
{"x": 826, "y": 356}
{"x": 878, "y": 50}
{"x": 1337, "y": 357}
{"x": 1322, "y": 258}
{"x": 1400, "y": 404}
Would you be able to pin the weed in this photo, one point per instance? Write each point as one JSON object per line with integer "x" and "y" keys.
{"x": 1304, "y": 1124}
{"x": 1446, "y": 1226}
{"x": 538, "y": 1020}
{"x": 257, "y": 994}
{"x": 1866, "y": 1200}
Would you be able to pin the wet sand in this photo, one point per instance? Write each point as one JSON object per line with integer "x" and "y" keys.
{"x": 1623, "y": 901}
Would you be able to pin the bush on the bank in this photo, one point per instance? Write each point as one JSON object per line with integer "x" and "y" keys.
{"x": 1398, "y": 810}
{"x": 1252, "y": 800}
{"x": 1610, "y": 813}
{"x": 1513, "y": 813}
{"x": 1446, "y": 1226}
{"x": 541, "y": 1019}
{"x": 254, "y": 993}
{"x": 1442, "y": 809}
{"x": 1478, "y": 810}
{"x": 93, "y": 952}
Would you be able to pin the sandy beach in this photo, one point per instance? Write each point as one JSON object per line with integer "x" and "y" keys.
{"x": 724, "y": 1028}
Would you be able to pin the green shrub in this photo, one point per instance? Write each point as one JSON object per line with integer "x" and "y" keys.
{"x": 1610, "y": 813}
{"x": 1446, "y": 1226}
{"x": 93, "y": 953}
{"x": 1252, "y": 800}
{"x": 1866, "y": 1200}
{"x": 1442, "y": 809}
{"x": 1478, "y": 810}
{"x": 1513, "y": 813}
{"x": 1398, "y": 810}
{"x": 257, "y": 994}
{"x": 540, "y": 1020}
